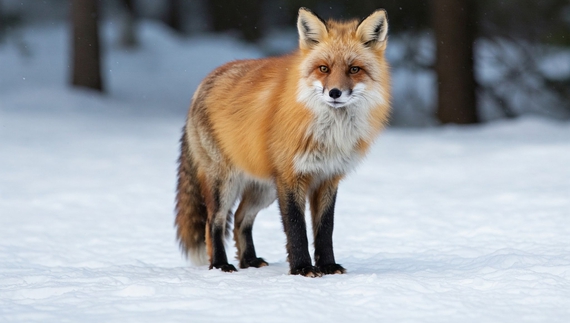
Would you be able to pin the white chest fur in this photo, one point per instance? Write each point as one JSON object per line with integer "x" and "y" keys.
{"x": 336, "y": 133}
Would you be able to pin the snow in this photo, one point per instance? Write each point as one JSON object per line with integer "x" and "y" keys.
{"x": 449, "y": 224}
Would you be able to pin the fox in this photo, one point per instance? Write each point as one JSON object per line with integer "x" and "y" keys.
{"x": 285, "y": 129}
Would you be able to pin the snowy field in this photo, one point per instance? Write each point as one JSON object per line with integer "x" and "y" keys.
{"x": 450, "y": 224}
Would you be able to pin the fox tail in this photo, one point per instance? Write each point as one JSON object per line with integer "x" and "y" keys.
{"x": 191, "y": 212}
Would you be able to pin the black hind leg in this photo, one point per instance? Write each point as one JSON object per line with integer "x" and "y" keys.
{"x": 256, "y": 196}
{"x": 219, "y": 259}
{"x": 249, "y": 257}
{"x": 219, "y": 195}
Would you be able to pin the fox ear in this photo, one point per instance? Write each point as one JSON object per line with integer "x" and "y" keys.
{"x": 373, "y": 30}
{"x": 312, "y": 29}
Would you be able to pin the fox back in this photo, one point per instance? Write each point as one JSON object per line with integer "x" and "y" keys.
{"x": 283, "y": 128}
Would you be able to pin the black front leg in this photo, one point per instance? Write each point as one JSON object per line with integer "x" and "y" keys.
{"x": 322, "y": 212}
{"x": 292, "y": 205}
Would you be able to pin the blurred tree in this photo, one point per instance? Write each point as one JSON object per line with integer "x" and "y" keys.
{"x": 86, "y": 67}
{"x": 174, "y": 15}
{"x": 454, "y": 28}
{"x": 1, "y": 22}
{"x": 128, "y": 32}
{"x": 546, "y": 21}
{"x": 519, "y": 39}
{"x": 242, "y": 15}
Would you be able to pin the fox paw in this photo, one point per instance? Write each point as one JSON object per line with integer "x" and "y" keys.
{"x": 332, "y": 269}
{"x": 255, "y": 262}
{"x": 227, "y": 268}
{"x": 309, "y": 271}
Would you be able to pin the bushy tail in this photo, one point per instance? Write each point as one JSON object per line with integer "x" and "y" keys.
{"x": 191, "y": 212}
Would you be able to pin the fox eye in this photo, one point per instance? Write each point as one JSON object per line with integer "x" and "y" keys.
{"x": 323, "y": 69}
{"x": 354, "y": 69}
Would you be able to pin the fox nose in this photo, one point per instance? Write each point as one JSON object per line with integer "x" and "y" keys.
{"x": 335, "y": 93}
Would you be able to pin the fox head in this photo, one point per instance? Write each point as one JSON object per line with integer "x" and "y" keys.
{"x": 343, "y": 63}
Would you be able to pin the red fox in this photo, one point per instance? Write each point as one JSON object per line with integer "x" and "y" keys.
{"x": 284, "y": 128}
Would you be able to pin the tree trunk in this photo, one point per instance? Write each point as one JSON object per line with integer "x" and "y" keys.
{"x": 173, "y": 15}
{"x": 250, "y": 20}
{"x": 1, "y": 21}
{"x": 86, "y": 68}
{"x": 242, "y": 15}
{"x": 454, "y": 28}
{"x": 220, "y": 12}
{"x": 128, "y": 37}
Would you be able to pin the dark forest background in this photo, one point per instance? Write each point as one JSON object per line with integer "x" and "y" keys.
{"x": 488, "y": 59}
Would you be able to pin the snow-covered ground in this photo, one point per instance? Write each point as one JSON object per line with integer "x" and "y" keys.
{"x": 451, "y": 224}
